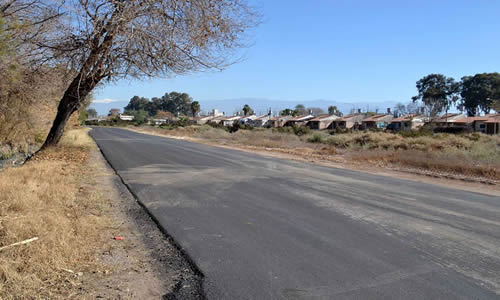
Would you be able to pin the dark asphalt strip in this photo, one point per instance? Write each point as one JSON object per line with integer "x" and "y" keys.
{"x": 266, "y": 228}
{"x": 182, "y": 288}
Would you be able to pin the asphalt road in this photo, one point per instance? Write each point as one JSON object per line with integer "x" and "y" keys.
{"x": 266, "y": 228}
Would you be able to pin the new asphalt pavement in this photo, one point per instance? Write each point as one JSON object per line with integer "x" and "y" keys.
{"x": 267, "y": 228}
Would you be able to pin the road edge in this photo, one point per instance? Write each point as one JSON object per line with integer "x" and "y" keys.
{"x": 182, "y": 288}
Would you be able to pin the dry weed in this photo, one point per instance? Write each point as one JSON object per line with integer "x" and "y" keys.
{"x": 46, "y": 199}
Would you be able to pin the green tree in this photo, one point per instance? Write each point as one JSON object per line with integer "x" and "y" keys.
{"x": 153, "y": 106}
{"x": 84, "y": 115}
{"x": 479, "y": 92}
{"x": 195, "y": 108}
{"x": 333, "y": 110}
{"x": 177, "y": 103}
{"x": 300, "y": 109}
{"x": 91, "y": 113}
{"x": 288, "y": 112}
{"x": 247, "y": 110}
{"x": 140, "y": 116}
{"x": 137, "y": 103}
{"x": 437, "y": 92}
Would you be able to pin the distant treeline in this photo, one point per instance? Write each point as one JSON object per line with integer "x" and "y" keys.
{"x": 174, "y": 102}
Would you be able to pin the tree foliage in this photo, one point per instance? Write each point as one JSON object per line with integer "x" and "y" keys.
{"x": 289, "y": 112}
{"x": 195, "y": 108}
{"x": 247, "y": 110}
{"x": 137, "y": 103}
{"x": 173, "y": 102}
{"x": 92, "y": 113}
{"x": 300, "y": 109}
{"x": 333, "y": 110}
{"x": 479, "y": 92}
{"x": 437, "y": 92}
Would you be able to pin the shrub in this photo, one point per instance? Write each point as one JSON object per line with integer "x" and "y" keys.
{"x": 301, "y": 130}
{"x": 316, "y": 138}
{"x": 416, "y": 133}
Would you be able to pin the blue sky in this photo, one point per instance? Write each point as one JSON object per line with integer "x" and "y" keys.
{"x": 349, "y": 51}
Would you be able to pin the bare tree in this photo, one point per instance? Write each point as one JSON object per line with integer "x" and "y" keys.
{"x": 104, "y": 40}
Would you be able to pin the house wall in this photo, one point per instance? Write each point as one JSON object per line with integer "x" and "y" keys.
{"x": 479, "y": 126}
{"x": 493, "y": 128}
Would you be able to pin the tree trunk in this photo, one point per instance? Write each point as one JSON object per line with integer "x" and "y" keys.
{"x": 65, "y": 109}
{"x": 70, "y": 102}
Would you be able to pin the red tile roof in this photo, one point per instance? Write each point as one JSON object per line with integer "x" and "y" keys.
{"x": 374, "y": 118}
{"x": 407, "y": 118}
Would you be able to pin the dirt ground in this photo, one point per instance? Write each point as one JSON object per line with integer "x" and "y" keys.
{"x": 466, "y": 183}
{"x": 89, "y": 237}
{"x": 145, "y": 264}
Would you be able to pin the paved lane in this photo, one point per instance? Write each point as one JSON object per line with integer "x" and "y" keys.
{"x": 265, "y": 228}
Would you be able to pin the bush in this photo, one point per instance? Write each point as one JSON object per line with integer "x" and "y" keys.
{"x": 316, "y": 138}
{"x": 416, "y": 133}
{"x": 301, "y": 130}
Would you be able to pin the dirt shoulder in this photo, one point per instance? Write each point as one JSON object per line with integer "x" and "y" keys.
{"x": 94, "y": 239}
{"x": 310, "y": 155}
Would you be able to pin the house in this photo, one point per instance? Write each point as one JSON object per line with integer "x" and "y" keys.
{"x": 377, "y": 121}
{"x": 322, "y": 121}
{"x": 126, "y": 117}
{"x": 216, "y": 120}
{"x": 230, "y": 120}
{"x": 483, "y": 124}
{"x": 278, "y": 121}
{"x": 299, "y": 121}
{"x": 204, "y": 119}
{"x": 347, "y": 122}
{"x": 158, "y": 122}
{"x": 408, "y": 122}
{"x": 247, "y": 119}
{"x": 446, "y": 120}
{"x": 114, "y": 112}
{"x": 493, "y": 124}
{"x": 260, "y": 121}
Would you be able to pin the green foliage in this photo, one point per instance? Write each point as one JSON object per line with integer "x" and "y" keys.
{"x": 195, "y": 108}
{"x": 174, "y": 102}
{"x": 479, "y": 92}
{"x": 140, "y": 116}
{"x": 289, "y": 112}
{"x": 92, "y": 113}
{"x": 300, "y": 109}
{"x": 7, "y": 155}
{"x": 416, "y": 133}
{"x": 437, "y": 92}
{"x": 137, "y": 103}
{"x": 247, "y": 110}
{"x": 84, "y": 115}
{"x": 301, "y": 130}
{"x": 316, "y": 138}
{"x": 333, "y": 110}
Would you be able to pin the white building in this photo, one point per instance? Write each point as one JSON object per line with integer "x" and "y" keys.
{"x": 126, "y": 117}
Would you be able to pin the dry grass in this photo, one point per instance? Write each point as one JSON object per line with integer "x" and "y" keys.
{"x": 46, "y": 199}
{"x": 468, "y": 154}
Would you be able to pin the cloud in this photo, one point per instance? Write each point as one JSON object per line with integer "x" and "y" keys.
{"x": 105, "y": 100}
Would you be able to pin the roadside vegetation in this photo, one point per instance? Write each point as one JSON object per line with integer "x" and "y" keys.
{"x": 468, "y": 154}
{"x": 48, "y": 199}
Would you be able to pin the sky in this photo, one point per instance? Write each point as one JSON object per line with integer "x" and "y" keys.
{"x": 349, "y": 51}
